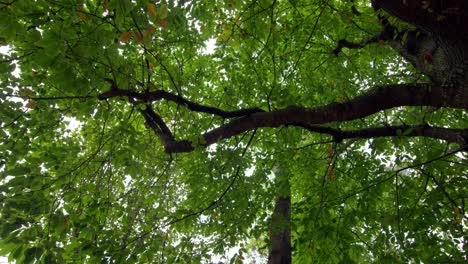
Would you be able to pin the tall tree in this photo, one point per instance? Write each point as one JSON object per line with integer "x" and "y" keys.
{"x": 148, "y": 131}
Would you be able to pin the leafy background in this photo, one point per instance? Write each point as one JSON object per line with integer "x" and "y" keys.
{"x": 85, "y": 180}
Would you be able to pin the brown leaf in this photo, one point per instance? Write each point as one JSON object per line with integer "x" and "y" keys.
{"x": 31, "y": 104}
{"x": 138, "y": 36}
{"x": 80, "y": 13}
{"x": 162, "y": 23}
{"x": 151, "y": 29}
{"x": 456, "y": 211}
{"x": 125, "y": 36}
{"x": 331, "y": 174}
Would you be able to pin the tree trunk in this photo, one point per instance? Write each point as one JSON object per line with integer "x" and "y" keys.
{"x": 280, "y": 236}
{"x": 280, "y": 230}
{"x": 438, "y": 46}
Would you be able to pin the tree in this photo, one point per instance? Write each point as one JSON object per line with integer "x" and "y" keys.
{"x": 124, "y": 139}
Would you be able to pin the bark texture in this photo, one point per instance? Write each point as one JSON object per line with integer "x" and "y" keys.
{"x": 439, "y": 45}
{"x": 280, "y": 237}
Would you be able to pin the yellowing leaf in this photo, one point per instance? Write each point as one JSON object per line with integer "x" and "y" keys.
{"x": 125, "y": 36}
{"x": 163, "y": 11}
{"x": 151, "y": 9}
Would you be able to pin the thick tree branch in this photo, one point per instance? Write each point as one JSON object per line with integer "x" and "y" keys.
{"x": 155, "y": 122}
{"x": 378, "y": 99}
{"x": 459, "y": 136}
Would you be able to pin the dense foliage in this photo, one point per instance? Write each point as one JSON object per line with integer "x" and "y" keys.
{"x": 126, "y": 136}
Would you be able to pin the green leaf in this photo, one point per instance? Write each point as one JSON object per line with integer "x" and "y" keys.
{"x": 163, "y": 11}
{"x": 84, "y": 179}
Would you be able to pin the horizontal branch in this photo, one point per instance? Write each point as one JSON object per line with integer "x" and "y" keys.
{"x": 459, "y": 136}
{"x": 151, "y": 96}
{"x": 376, "y": 100}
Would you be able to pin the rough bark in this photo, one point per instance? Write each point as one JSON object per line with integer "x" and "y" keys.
{"x": 439, "y": 48}
{"x": 280, "y": 224}
{"x": 280, "y": 237}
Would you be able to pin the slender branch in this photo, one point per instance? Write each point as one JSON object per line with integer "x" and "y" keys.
{"x": 440, "y": 186}
{"x": 211, "y": 205}
{"x": 151, "y": 96}
{"x": 343, "y": 43}
{"x": 11, "y": 59}
{"x": 383, "y": 180}
{"x": 387, "y": 33}
{"x": 84, "y": 97}
{"x": 12, "y": 121}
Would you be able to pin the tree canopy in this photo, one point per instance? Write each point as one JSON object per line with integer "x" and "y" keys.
{"x": 164, "y": 131}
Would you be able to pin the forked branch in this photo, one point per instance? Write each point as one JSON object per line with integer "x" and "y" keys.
{"x": 374, "y": 101}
